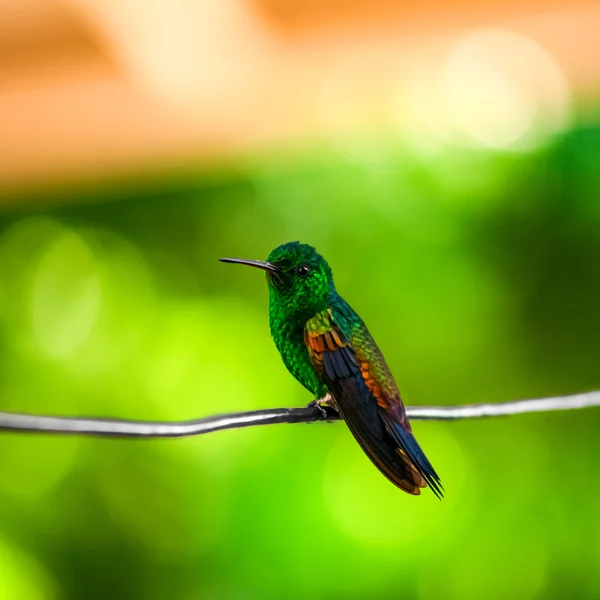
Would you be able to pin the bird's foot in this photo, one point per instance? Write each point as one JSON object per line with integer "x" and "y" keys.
{"x": 321, "y": 403}
{"x": 315, "y": 404}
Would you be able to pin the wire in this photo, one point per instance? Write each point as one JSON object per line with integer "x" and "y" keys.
{"x": 165, "y": 429}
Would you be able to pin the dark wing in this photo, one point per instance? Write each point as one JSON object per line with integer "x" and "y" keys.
{"x": 364, "y": 401}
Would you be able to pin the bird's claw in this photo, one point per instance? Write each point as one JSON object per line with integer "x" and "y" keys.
{"x": 316, "y": 404}
{"x": 322, "y": 404}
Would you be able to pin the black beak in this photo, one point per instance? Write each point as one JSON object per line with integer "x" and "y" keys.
{"x": 257, "y": 264}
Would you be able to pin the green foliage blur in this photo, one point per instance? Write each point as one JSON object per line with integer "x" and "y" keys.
{"x": 477, "y": 272}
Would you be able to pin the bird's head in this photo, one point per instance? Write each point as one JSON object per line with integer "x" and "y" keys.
{"x": 299, "y": 278}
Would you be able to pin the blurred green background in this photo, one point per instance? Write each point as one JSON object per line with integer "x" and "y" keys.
{"x": 478, "y": 274}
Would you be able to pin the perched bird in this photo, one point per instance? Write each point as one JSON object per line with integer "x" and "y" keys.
{"x": 326, "y": 346}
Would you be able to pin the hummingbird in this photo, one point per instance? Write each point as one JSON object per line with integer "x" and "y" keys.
{"x": 327, "y": 347}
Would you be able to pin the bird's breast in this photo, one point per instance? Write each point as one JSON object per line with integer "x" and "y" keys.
{"x": 289, "y": 340}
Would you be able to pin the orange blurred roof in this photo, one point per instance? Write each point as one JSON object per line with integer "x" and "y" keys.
{"x": 91, "y": 88}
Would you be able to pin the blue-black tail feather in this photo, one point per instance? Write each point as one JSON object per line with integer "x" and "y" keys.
{"x": 408, "y": 443}
{"x": 391, "y": 447}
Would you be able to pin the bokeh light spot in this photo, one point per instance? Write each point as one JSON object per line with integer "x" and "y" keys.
{"x": 66, "y": 295}
{"x": 505, "y": 90}
{"x": 21, "y": 576}
{"x": 353, "y": 487}
{"x": 495, "y": 88}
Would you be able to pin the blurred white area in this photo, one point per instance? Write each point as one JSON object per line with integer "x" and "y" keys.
{"x": 90, "y": 88}
{"x": 494, "y": 88}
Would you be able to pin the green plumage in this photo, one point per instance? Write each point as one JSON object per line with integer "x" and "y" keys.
{"x": 290, "y": 308}
{"x": 329, "y": 350}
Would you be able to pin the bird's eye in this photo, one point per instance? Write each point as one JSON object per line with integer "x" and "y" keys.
{"x": 303, "y": 270}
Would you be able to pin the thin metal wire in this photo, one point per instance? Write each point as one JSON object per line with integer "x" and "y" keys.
{"x": 159, "y": 429}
